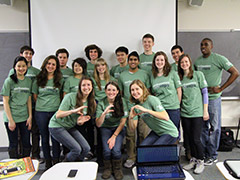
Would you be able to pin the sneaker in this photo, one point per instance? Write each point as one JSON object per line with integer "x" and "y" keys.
{"x": 89, "y": 156}
{"x": 199, "y": 167}
{"x": 210, "y": 161}
{"x": 129, "y": 163}
{"x": 191, "y": 164}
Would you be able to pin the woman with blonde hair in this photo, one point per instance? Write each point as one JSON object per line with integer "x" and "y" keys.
{"x": 150, "y": 109}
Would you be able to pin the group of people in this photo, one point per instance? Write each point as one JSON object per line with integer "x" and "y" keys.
{"x": 143, "y": 92}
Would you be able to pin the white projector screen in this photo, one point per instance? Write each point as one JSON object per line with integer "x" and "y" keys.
{"x": 74, "y": 24}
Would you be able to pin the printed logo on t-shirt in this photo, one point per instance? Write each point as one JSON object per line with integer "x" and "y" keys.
{"x": 189, "y": 85}
{"x": 21, "y": 90}
{"x": 48, "y": 89}
{"x": 203, "y": 67}
{"x": 161, "y": 85}
{"x": 127, "y": 83}
{"x": 116, "y": 75}
{"x": 228, "y": 63}
{"x": 146, "y": 63}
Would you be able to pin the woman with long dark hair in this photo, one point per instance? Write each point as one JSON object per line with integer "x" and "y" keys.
{"x": 75, "y": 109}
{"x": 47, "y": 95}
{"x": 166, "y": 85}
{"x": 111, "y": 118}
{"x": 17, "y": 105}
{"x": 194, "y": 110}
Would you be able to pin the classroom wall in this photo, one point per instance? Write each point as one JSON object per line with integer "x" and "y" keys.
{"x": 213, "y": 15}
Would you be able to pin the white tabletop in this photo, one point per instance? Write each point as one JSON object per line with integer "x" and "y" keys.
{"x": 86, "y": 171}
{"x": 26, "y": 176}
{"x": 224, "y": 171}
{"x": 187, "y": 174}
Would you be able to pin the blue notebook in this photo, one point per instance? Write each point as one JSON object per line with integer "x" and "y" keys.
{"x": 159, "y": 162}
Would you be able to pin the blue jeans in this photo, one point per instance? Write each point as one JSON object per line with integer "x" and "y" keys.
{"x": 154, "y": 139}
{"x": 174, "y": 115}
{"x": 212, "y": 129}
{"x": 73, "y": 140}
{"x": 42, "y": 120}
{"x": 115, "y": 152}
{"x": 13, "y": 137}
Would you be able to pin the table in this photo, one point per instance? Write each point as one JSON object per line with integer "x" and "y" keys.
{"x": 187, "y": 174}
{"x": 224, "y": 171}
{"x": 26, "y": 176}
{"x": 86, "y": 171}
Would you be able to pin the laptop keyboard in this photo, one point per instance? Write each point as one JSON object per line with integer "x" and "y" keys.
{"x": 159, "y": 169}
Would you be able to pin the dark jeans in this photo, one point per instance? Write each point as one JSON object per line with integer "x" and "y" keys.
{"x": 35, "y": 137}
{"x": 115, "y": 152}
{"x": 193, "y": 129}
{"x": 42, "y": 119}
{"x": 73, "y": 140}
{"x": 154, "y": 139}
{"x": 13, "y": 138}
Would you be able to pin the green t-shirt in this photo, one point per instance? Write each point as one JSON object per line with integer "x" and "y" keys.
{"x": 212, "y": 68}
{"x": 48, "y": 97}
{"x": 100, "y": 94}
{"x": 192, "y": 100}
{"x": 165, "y": 88}
{"x": 126, "y": 79}
{"x": 68, "y": 103}
{"x": 18, "y": 94}
{"x": 71, "y": 84}
{"x": 90, "y": 69}
{"x": 159, "y": 126}
{"x": 174, "y": 67}
{"x": 32, "y": 72}
{"x": 146, "y": 62}
{"x": 117, "y": 70}
{"x": 67, "y": 73}
{"x": 109, "y": 120}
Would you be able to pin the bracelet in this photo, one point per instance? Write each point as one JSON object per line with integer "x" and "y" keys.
{"x": 115, "y": 135}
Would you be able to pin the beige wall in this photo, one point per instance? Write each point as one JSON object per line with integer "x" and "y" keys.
{"x": 213, "y": 15}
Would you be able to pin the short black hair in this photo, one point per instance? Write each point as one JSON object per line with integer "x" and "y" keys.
{"x": 82, "y": 63}
{"x": 148, "y": 36}
{"x": 62, "y": 50}
{"x": 121, "y": 49}
{"x": 208, "y": 39}
{"x": 134, "y": 53}
{"x": 177, "y": 47}
{"x": 26, "y": 48}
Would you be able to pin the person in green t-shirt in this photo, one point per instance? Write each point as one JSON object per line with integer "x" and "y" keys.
{"x": 122, "y": 54}
{"x": 47, "y": 95}
{"x": 111, "y": 117}
{"x": 17, "y": 105}
{"x": 32, "y": 72}
{"x": 212, "y": 65}
{"x": 194, "y": 110}
{"x": 77, "y": 108}
{"x": 63, "y": 55}
{"x": 146, "y": 57}
{"x": 166, "y": 85}
{"x": 150, "y": 109}
{"x": 100, "y": 78}
{"x": 176, "y": 52}
{"x": 93, "y": 52}
{"x": 124, "y": 81}
{"x": 79, "y": 67}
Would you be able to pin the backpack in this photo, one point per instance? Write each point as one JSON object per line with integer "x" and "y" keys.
{"x": 226, "y": 140}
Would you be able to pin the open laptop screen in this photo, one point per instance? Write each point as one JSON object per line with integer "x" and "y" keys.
{"x": 159, "y": 153}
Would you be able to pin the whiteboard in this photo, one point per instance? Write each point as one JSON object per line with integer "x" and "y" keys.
{"x": 74, "y": 24}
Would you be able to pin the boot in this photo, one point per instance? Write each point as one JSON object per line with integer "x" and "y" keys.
{"x": 13, "y": 153}
{"x": 107, "y": 169}
{"x": 117, "y": 169}
{"x": 26, "y": 152}
{"x": 48, "y": 164}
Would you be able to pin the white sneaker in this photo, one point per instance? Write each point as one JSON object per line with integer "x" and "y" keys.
{"x": 129, "y": 163}
{"x": 199, "y": 166}
{"x": 191, "y": 165}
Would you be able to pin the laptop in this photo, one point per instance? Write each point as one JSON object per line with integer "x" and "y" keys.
{"x": 159, "y": 162}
